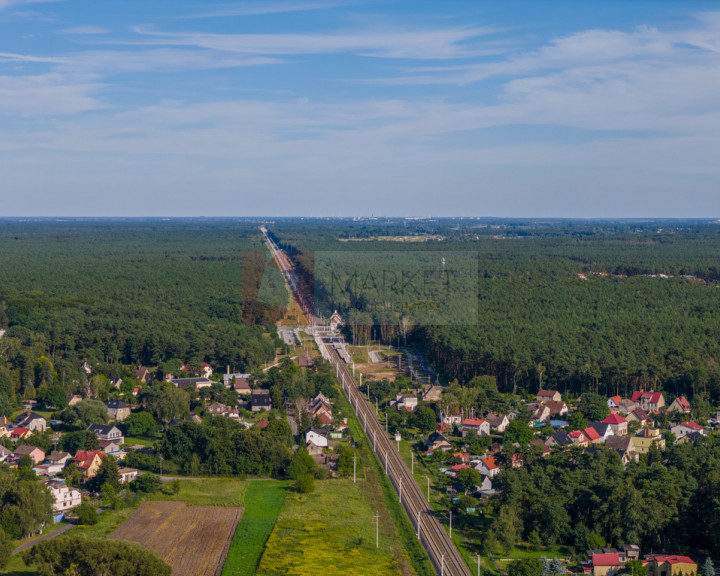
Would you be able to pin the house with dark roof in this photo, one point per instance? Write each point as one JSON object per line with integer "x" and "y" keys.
{"x": 31, "y": 421}
{"x": 603, "y": 430}
{"x": 556, "y": 408}
{"x": 640, "y": 415}
{"x": 622, "y": 445}
{"x": 260, "y": 400}
{"x": 437, "y": 441}
{"x": 559, "y": 438}
{"x": 192, "y": 383}
{"x": 106, "y": 432}
{"x": 498, "y": 422}
{"x": 143, "y": 375}
{"x": 117, "y": 409}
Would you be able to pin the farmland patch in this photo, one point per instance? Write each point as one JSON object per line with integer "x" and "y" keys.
{"x": 194, "y": 540}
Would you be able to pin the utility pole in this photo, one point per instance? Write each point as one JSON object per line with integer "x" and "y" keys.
{"x": 450, "y": 524}
{"x": 478, "y": 574}
{"x": 385, "y": 462}
{"x": 400, "y": 489}
{"x": 418, "y": 525}
{"x": 412, "y": 463}
{"x": 428, "y": 491}
{"x": 386, "y": 429}
{"x": 160, "y": 457}
{"x": 354, "y": 469}
{"x": 442, "y": 565}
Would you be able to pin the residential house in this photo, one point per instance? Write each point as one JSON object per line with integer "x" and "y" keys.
{"x": 217, "y": 409}
{"x": 541, "y": 412}
{"x": 88, "y": 462}
{"x": 127, "y": 475}
{"x": 606, "y": 564}
{"x": 31, "y": 421}
{"x": 452, "y": 419}
{"x": 116, "y": 382}
{"x": 592, "y": 435}
{"x": 559, "y": 438}
{"x": 623, "y": 445}
{"x": 192, "y": 383}
{"x": 65, "y": 498}
{"x": 316, "y": 440}
{"x": 640, "y": 415}
{"x": 603, "y": 430}
{"x": 649, "y": 401}
{"x": 5, "y": 428}
{"x": 545, "y": 449}
{"x": 690, "y": 438}
{"x": 669, "y": 565}
{"x": 614, "y": 403}
{"x": 110, "y": 446}
{"x": 647, "y": 438}
{"x": 498, "y": 422}
{"x": 241, "y": 382}
{"x": 686, "y": 428}
{"x": 261, "y": 400}
{"x": 117, "y": 409}
{"x": 404, "y": 401}
{"x": 106, "y": 432}
{"x": 20, "y": 433}
{"x": 143, "y": 375}
{"x": 192, "y": 418}
{"x": 56, "y": 457}
{"x": 34, "y": 452}
{"x": 680, "y": 404}
{"x": 548, "y": 395}
{"x": 627, "y": 406}
{"x": 322, "y": 412}
{"x": 476, "y": 426}
{"x": 4, "y": 453}
{"x": 485, "y": 488}
{"x": 437, "y": 441}
{"x": 579, "y": 439}
{"x": 557, "y": 408}
{"x": 432, "y": 393}
{"x": 205, "y": 370}
{"x": 488, "y": 467}
{"x": 618, "y": 424}
{"x": 48, "y": 468}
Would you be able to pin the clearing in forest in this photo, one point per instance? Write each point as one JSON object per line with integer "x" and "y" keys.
{"x": 194, "y": 540}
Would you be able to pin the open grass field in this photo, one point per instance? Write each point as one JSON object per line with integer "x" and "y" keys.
{"x": 194, "y": 540}
{"x": 264, "y": 500}
{"x": 330, "y": 531}
{"x": 209, "y": 492}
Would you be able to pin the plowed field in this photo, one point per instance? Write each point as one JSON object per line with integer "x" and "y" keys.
{"x": 194, "y": 540}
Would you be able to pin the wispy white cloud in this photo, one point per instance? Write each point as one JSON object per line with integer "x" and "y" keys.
{"x": 431, "y": 43}
{"x": 85, "y": 30}
{"x": 46, "y": 95}
{"x": 258, "y": 9}
{"x": 5, "y": 4}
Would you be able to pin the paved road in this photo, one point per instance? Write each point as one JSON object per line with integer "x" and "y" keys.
{"x": 30, "y": 543}
{"x": 441, "y": 550}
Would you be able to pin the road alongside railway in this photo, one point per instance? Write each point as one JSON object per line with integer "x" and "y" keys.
{"x": 442, "y": 552}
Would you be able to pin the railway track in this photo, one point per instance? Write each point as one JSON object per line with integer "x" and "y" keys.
{"x": 443, "y": 554}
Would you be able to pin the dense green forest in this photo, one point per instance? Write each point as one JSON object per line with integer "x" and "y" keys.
{"x": 586, "y": 501}
{"x": 134, "y": 292}
{"x": 578, "y": 305}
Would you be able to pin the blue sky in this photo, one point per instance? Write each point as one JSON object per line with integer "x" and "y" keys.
{"x": 573, "y": 108}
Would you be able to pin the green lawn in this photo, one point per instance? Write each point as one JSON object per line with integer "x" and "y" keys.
{"x": 332, "y": 531}
{"x": 209, "y": 492}
{"x": 263, "y": 501}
